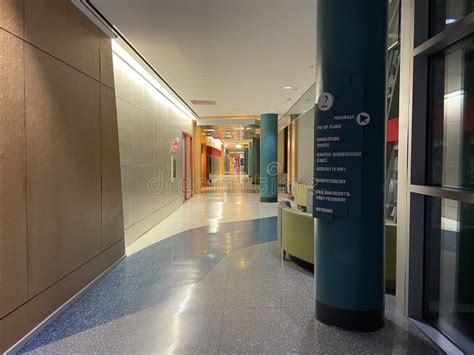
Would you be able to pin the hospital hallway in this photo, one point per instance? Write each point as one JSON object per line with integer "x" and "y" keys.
{"x": 210, "y": 279}
{"x": 236, "y": 177}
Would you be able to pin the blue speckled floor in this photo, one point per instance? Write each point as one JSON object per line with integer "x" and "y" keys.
{"x": 208, "y": 291}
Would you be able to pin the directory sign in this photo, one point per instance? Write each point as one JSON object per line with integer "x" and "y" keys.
{"x": 338, "y": 161}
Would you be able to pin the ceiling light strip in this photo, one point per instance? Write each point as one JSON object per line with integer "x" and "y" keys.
{"x": 122, "y": 54}
{"x": 110, "y": 30}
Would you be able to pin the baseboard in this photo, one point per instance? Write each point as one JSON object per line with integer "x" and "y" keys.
{"x": 437, "y": 337}
{"x": 138, "y": 229}
{"x": 36, "y": 330}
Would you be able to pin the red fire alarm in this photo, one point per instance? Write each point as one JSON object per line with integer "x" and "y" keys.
{"x": 174, "y": 145}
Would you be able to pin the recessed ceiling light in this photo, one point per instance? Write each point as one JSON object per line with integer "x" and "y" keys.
{"x": 287, "y": 87}
{"x": 203, "y": 102}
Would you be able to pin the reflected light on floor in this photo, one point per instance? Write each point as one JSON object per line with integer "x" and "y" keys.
{"x": 176, "y": 323}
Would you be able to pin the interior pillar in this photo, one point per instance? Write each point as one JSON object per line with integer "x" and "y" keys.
{"x": 268, "y": 157}
{"x": 256, "y": 160}
{"x": 250, "y": 162}
{"x": 349, "y": 163}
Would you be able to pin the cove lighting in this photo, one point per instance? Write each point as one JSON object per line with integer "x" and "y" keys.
{"x": 123, "y": 55}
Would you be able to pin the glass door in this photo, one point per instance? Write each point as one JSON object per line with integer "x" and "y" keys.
{"x": 442, "y": 166}
{"x": 188, "y": 167}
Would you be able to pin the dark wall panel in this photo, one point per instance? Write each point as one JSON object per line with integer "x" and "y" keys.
{"x": 13, "y": 250}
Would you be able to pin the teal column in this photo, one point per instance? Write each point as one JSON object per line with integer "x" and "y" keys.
{"x": 250, "y": 163}
{"x": 349, "y": 154}
{"x": 256, "y": 160}
{"x": 246, "y": 159}
{"x": 227, "y": 162}
{"x": 268, "y": 157}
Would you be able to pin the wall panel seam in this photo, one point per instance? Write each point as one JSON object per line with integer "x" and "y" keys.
{"x": 26, "y": 172}
{"x": 63, "y": 277}
{"x": 58, "y": 59}
{"x": 159, "y": 209}
{"x": 101, "y": 169}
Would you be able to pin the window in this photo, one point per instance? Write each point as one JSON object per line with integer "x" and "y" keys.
{"x": 451, "y": 117}
{"x": 441, "y": 188}
{"x": 449, "y": 285}
{"x": 444, "y": 13}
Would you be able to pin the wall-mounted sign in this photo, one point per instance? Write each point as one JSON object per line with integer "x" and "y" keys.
{"x": 174, "y": 164}
{"x": 325, "y": 101}
{"x": 363, "y": 119}
{"x": 338, "y": 162}
{"x": 174, "y": 146}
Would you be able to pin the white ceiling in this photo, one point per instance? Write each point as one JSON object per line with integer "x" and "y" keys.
{"x": 239, "y": 53}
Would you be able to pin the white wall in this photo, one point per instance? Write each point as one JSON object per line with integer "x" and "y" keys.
{"x": 147, "y": 123}
{"x": 305, "y": 146}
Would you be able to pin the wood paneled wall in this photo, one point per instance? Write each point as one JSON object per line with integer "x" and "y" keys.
{"x": 61, "y": 216}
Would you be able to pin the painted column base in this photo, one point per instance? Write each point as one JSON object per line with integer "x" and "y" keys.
{"x": 268, "y": 199}
{"x": 358, "y": 321}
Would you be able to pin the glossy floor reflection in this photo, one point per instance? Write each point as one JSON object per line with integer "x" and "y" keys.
{"x": 239, "y": 183}
{"x": 208, "y": 209}
{"x": 210, "y": 291}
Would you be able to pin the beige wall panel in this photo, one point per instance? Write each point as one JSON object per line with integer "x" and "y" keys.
{"x": 146, "y": 224}
{"x": 144, "y": 199}
{"x": 122, "y": 80}
{"x": 64, "y": 168}
{"x": 147, "y": 126}
{"x": 124, "y": 120}
{"x": 128, "y": 195}
{"x": 142, "y": 137}
{"x": 59, "y": 28}
{"x": 13, "y": 245}
{"x": 112, "y": 212}
{"x": 11, "y": 16}
{"x": 138, "y": 92}
{"x": 24, "y": 319}
{"x": 106, "y": 64}
{"x": 161, "y": 147}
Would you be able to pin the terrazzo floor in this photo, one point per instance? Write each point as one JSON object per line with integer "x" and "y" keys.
{"x": 211, "y": 291}
{"x": 228, "y": 203}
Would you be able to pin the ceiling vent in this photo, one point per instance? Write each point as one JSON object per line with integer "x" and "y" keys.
{"x": 203, "y": 102}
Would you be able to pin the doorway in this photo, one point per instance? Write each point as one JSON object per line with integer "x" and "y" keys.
{"x": 188, "y": 167}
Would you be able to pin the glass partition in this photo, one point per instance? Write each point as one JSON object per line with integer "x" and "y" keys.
{"x": 449, "y": 268}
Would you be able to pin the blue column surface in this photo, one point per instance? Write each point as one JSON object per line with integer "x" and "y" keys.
{"x": 256, "y": 160}
{"x": 268, "y": 157}
{"x": 227, "y": 162}
{"x": 246, "y": 159}
{"x": 250, "y": 162}
{"x": 350, "y": 163}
